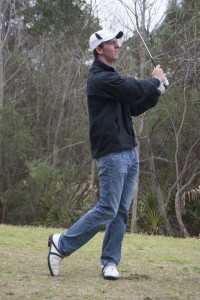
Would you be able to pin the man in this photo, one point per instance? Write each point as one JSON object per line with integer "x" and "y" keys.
{"x": 112, "y": 100}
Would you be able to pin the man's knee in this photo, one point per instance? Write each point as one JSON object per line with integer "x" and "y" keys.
{"x": 108, "y": 213}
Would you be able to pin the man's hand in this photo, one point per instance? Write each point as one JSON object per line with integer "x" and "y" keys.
{"x": 163, "y": 86}
{"x": 166, "y": 82}
{"x": 158, "y": 73}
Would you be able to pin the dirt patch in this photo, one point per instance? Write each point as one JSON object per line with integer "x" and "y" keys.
{"x": 136, "y": 277}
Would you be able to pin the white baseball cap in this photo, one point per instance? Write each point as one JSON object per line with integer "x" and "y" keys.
{"x": 102, "y": 36}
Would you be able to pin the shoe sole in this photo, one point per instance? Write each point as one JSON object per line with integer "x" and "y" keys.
{"x": 110, "y": 278}
{"x": 48, "y": 258}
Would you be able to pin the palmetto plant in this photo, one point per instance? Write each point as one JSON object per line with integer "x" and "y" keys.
{"x": 191, "y": 195}
{"x": 154, "y": 221}
{"x": 190, "y": 207}
{"x": 149, "y": 218}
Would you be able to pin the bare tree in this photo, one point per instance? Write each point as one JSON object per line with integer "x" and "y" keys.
{"x": 140, "y": 26}
{"x": 139, "y": 13}
{"x": 5, "y": 12}
{"x": 1, "y": 79}
{"x": 191, "y": 162}
{"x": 68, "y": 87}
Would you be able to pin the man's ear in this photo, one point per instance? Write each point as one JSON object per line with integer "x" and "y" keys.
{"x": 99, "y": 50}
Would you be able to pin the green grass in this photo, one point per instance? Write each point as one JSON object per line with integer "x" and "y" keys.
{"x": 152, "y": 267}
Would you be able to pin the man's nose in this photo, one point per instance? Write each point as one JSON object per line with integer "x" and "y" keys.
{"x": 117, "y": 44}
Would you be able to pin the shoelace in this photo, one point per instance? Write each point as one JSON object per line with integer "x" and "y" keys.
{"x": 111, "y": 265}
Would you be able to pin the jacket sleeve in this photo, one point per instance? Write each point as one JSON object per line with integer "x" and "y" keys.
{"x": 124, "y": 89}
{"x": 140, "y": 106}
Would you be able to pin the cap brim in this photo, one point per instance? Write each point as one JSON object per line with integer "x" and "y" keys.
{"x": 113, "y": 35}
{"x": 119, "y": 35}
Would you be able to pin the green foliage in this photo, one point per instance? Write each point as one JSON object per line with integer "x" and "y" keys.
{"x": 59, "y": 200}
{"x": 41, "y": 172}
{"x": 43, "y": 67}
{"x": 149, "y": 219}
{"x": 45, "y": 15}
{"x": 48, "y": 196}
{"x": 16, "y": 204}
{"x": 179, "y": 42}
{"x": 61, "y": 19}
{"x": 17, "y": 144}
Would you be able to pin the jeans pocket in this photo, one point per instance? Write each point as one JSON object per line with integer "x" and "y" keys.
{"x": 100, "y": 161}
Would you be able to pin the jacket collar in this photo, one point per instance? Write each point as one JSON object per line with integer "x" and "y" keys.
{"x": 98, "y": 64}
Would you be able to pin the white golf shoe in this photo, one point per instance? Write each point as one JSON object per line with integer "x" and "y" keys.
{"x": 54, "y": 257}
{"x": 109, "y": 271}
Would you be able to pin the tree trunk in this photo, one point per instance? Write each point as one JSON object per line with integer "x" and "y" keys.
{"x": 65, "y": 97}
{"x": 156, "y": 186}
{"x": 135, "y": 196}
{"x": 142, "y": 117}
{"x": 183, "y": 230}
{"x": 58, "y": 129}
{"x": 1, "y": 85}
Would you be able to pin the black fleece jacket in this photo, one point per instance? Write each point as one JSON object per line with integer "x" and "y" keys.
{"x": 112, "y": 100}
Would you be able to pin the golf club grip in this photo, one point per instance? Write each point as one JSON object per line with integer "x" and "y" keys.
{"x": 153, "y": 62}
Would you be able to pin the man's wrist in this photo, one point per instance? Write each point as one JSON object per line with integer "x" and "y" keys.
{"x": 158, "y": 78}
{"x": 157, "y": 81}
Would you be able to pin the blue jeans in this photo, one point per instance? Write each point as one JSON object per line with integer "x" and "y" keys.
{"x": 117, "y": 173}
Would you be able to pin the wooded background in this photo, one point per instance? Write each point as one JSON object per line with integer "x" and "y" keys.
{"x": 47, "y": 175}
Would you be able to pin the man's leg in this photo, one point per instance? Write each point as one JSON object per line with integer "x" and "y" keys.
{"x": 115, "y": 230}
{"x": 97, "y": 218}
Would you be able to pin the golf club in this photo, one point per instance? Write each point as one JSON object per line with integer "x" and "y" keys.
{"x": 166, "y": 82}
{"x": 151, "y": 57}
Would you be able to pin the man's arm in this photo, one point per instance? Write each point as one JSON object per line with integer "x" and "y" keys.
{"x": 140, "y": 106}
{"x": 111, "y": 85}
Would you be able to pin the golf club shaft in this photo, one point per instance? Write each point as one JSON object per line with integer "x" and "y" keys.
{"x": 151, "y": 57}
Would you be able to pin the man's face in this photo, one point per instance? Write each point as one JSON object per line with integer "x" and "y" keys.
{"x": 109, "y": 51}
